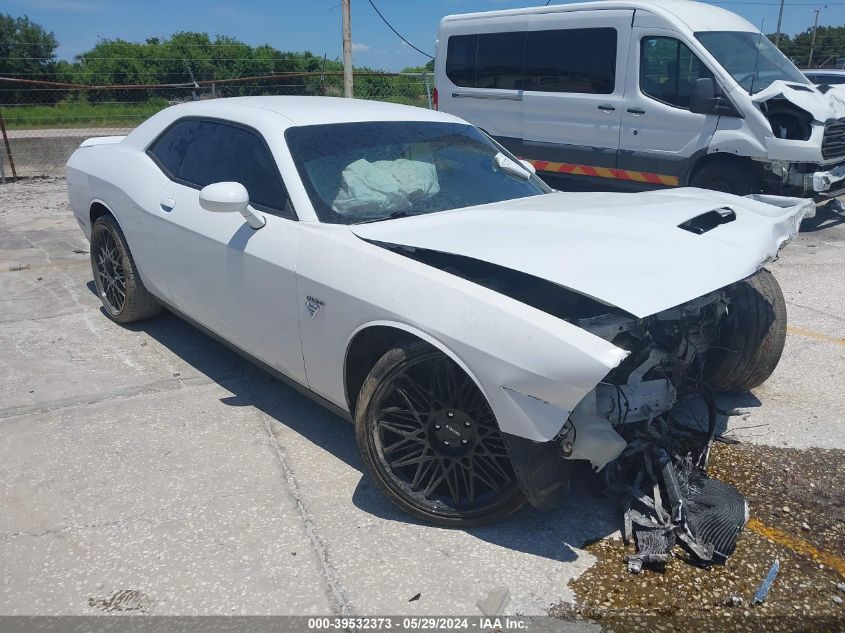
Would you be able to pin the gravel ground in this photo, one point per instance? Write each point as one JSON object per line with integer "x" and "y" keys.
{"x": 719, "y": 598}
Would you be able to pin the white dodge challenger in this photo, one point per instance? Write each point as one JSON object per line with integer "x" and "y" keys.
{"x": 480, "y": 329}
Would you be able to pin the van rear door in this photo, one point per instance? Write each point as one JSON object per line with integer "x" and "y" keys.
{"x": 573, "y": 90}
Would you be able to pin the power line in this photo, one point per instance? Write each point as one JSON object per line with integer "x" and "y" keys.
{"x": 399, "y": 35}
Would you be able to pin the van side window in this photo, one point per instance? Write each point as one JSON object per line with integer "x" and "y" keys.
{"x": 460, "y": 60}
{"x": 499, "y": 60}
{"x": 571, "y": 60}
{"x": 561, "y": 60}
{"x": 668, "y": 70}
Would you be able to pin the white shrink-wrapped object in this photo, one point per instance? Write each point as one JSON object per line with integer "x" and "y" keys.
{"x": 385, "y": 186}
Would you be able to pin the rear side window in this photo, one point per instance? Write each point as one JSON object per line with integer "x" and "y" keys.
{"x": 460, "y": 60}
{"x": 572, "y": 60}
{"x": 561, "y": 60}
{"x": 199, "y": 152}
{"x": 668, "y": 70}
{"x": 499, "y": 60}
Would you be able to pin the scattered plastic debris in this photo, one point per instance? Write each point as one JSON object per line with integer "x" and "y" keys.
{"x": 703, "y": 515}
{"x": 495, "y": 602}
{"x": 415, "y": 597}
{"x": 763, "y": 589}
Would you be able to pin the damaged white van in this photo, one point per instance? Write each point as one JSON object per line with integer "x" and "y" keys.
{"x": 641, "y": 95}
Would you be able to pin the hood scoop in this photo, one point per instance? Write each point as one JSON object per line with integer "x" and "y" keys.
{"x": 705, "y": 222}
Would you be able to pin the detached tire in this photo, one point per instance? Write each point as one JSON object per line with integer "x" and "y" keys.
{"x": 728, "y": 176}
{"x": 430, "y": 441}
{"x": 124, "y": 297}
{"x": 751, "y": 341}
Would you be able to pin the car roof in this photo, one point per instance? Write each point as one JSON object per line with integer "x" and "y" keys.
{"x": 317, "y": 110}
{"x": 696, "y": 15}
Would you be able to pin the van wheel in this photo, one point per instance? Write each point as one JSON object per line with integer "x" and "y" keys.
{"x": 729, "y": 176}
{"x": 430, "y": 441}
{"x": 752, "y": 339}
{"x": 124, "y": 297}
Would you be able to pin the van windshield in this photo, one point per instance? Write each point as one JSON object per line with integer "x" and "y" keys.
{"x": 753, "y": 61}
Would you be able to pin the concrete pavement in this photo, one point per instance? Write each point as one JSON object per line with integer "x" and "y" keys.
{"x": 149, "y": 469}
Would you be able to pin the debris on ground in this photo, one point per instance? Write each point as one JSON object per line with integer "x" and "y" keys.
{"x": 667, "y": 498}
{"x": 16, "y": 267}
{"x": 415, "y": 597}
{"x": 680, "y": 596}
{"x": 495, "y": 602}
{"x": 766, "y": 585}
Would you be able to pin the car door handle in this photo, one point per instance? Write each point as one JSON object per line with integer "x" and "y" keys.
{"x": 636, "y": 111}
{"x": 167, "y": 204}
{"x": 607, "y": 108}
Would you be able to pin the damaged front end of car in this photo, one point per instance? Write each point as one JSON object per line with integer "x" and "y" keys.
{"x": 649, "y": 426}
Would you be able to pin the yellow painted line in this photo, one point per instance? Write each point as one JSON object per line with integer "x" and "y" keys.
{"x": 816, "y": 335}
{"x": 797, "y": 545}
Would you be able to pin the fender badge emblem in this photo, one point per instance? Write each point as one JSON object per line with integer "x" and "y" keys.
{"x": 313, "y": 305}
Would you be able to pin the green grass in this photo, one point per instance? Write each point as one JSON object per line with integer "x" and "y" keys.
{"x": 75, "y": 114}
{"x": 80, "y": 114}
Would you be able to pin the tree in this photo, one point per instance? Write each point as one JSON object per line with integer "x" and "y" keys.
{"x": 27, "y": 51}
{"x": 830, "y": 45}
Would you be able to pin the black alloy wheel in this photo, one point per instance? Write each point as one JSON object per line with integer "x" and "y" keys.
{"x": 431, "y": 441}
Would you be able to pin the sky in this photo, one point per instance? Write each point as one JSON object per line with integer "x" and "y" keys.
{"x": 315, "y": 25}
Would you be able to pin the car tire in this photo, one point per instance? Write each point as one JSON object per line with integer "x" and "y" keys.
{"x": 430, "y": 441}
{"x": 751, "y": 341}
{"x": 124, "y": 297}
{"x": 728, "y": 176}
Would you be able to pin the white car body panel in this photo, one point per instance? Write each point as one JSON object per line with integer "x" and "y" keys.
{"x": 587, "y": 242}
{"x": 295, "y": 293}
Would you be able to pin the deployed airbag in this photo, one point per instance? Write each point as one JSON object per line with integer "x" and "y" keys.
{"x": 385, "y": 186}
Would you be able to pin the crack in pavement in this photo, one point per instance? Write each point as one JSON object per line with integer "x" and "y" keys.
{"x": 159, "y": 386}
{"x": 336, "y": 594}
{"x": 4, "y": 538}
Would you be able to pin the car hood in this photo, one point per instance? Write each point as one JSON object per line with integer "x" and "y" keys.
{"x": 822, "y": 107}
{"x": 624, "y": 250}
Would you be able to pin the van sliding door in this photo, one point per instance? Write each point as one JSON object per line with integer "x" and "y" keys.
{"x": 573, "y": 88}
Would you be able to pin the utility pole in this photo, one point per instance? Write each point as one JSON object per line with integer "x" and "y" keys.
{"x": 780, "y": 19}
{"x": 813, "y": 43}
{"x": 347, "y": 48}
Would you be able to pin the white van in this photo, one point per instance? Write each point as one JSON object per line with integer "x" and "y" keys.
{"x": 642, "y": 95}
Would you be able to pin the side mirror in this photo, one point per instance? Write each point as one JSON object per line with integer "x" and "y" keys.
{"x": 230, "y": 197}
{"x": 706, "y": 97}
{"x": 702, "y": 96}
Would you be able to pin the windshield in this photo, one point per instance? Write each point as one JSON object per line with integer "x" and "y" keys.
{"x": 364, "y": 172}
{"x": 736, "y": 51}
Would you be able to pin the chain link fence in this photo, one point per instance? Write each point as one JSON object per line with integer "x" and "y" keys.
{"x": 43, "y": 122}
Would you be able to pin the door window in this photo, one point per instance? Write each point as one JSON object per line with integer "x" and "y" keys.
{"x": 560, "y": 60}
{"x": 668, "y": 70}
{"x": 571, "y": 60}
{"x": 199, "y": 152}
{"x": 499, "y": 60}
